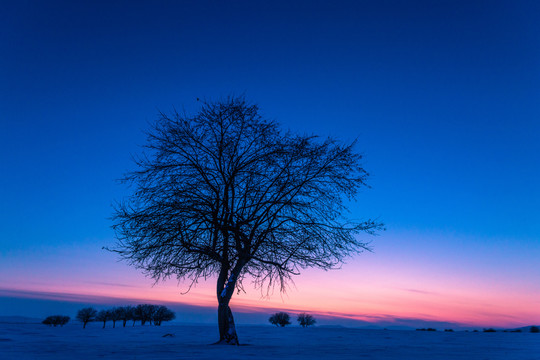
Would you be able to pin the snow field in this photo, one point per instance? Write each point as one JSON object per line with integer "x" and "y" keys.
{"x": 37, "y": 341}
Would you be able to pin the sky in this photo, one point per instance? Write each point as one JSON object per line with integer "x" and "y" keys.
{"x": 442, "y": 96}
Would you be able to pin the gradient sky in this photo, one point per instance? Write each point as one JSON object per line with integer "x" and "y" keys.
{"x": 443, "y": 97}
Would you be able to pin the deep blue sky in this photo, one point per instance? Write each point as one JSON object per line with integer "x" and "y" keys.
{"x": 443, "y": 97}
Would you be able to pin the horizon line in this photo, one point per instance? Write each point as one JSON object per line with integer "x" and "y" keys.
{"x": 354, "y": 320}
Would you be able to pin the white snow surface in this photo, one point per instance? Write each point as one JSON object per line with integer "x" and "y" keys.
{"x": 36, "y": 341}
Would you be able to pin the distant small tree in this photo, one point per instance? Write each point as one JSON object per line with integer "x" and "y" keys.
{"x": 115, "y": 315}
{"x": 49, "y": 321}
{"x": 103, "y": 315}
{"x": 145, "y": 312}
{"x": 135, "y": 315}
{"x": 162, "y": 313}
{"x": 63, "y": 320}
{"x": 280, "y": 319}
{"x": 125, "y": 313}
{"x": 306, "y": 320}
{"x": 56, "y": 320}
{"x": 535, "y": 329}
{"x": 86, "y": 315}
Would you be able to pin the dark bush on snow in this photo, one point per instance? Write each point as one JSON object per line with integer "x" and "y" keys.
{"x": 56, "y": 320}
{"x": 535, "y": 329}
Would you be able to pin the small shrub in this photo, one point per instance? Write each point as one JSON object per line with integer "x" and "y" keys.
{"x": 280, "y": 319}
{"x": 517, "y": 330}
{"x": 48, "y": 321}
{"x": 535, "y": 329}
{"x": 449, "y": 330}
{"x": 490, "y": 330}
{"x": 56, "y": 320}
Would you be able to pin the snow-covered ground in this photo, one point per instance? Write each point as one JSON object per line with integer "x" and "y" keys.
{"x": 35, "y": 341}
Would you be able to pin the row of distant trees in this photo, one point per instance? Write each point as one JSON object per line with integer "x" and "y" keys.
{"x": 145, "y": 313}
{"x": 282, "y": 319}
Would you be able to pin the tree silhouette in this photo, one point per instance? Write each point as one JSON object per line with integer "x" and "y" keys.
{"x": 305, "y": 320}
{"x": 280, "y": 319}
{"x": 116, "y": 314}
{"x": 103, "y": 315}
{"x": 226, "y": 193}
{"x": 125, "y": 313}
{"x": 56, "y": 320}
{"x": 144, "y": 312}
{"x": 162, "y": 313}
{"x": 86, "y": 315}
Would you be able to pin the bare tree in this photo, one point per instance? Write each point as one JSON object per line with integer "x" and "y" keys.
{"x": 116, "y": 314}
{"x": 103, "y": 315}
{"x": 125, "y": 313}
{"x": 305, "y": 320}
{"x": 86, "y": 315}
{"x": 280, "y": 319}
{"x": 226, "y": 193}
{"x": 145, "y": 312}
{"x": 135, "y": 315}
{"x": 161, "y": 314}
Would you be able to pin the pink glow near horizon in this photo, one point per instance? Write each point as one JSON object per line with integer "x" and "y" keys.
{"x": 384, "y": 285}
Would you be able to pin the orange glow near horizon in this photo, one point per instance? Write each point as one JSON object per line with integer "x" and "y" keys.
{"x": 317, "y": 292}
{"x": 370, "y": 287}
{"x": 375, "y": 305}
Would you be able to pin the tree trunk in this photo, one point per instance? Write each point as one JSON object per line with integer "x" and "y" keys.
{"x": 84, "y": 324}
{"x": 227, "y": 329}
